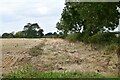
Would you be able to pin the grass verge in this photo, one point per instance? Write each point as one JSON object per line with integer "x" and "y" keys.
{"x": 33, "y": 72}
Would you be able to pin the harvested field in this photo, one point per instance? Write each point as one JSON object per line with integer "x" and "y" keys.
{"x": 56, "y": 55}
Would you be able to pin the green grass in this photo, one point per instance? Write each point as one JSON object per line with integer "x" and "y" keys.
{"x": 54, "y": 75}
{"x": 33, "y": 72}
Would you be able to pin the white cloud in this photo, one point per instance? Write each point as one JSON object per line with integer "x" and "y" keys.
{"x": 42, "y": 11}
{"x": 15, "y": 14}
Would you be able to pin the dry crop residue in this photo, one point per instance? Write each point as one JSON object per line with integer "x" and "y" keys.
{"x": 58, "y": 55}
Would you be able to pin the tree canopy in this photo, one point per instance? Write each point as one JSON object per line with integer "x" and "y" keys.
{"x": 8, "y": 35}
{"x": 89, "y": 17}
{"x": 33, "y": 30}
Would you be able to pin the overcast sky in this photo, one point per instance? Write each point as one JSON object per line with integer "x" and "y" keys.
{"x": 14, "y": 14}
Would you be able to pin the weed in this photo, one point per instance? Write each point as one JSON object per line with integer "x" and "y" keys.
{"x": 111, "y": 48}
{"x": 37, "y": 50}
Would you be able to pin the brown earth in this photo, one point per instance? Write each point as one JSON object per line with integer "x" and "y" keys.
{"x": 57, "y": 55}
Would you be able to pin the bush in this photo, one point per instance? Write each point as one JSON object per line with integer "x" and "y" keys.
{"x": 111, "y": 48}
{"x": 74, "y": 37}
{"x": 85, "y": 38}
{"x": 7, "y": 35}
{"x": 103, "y": 38}
{"x": 118, "y": 40}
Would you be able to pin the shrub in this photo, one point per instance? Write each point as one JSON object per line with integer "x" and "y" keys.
{"x": 85, "y": 38}
{"x": 111, "y": 48}
{"x": 7, "y": 35}
{"x": 74, "y": 37}
{"x": 118, "y": 40}
{"x": 103, "y": 38}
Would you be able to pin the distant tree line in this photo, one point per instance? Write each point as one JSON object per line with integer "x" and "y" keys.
{"x": 7, "y": 35}
{"x": 53, "y": 35}
{"x": 31, "y": 31}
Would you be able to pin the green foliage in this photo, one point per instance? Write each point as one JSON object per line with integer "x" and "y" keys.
{"x": 70, "y": 20}
{"x": 20, "y": 34}
{"x": 89, "y": 19}
{"x": 33, "y": 30}
{"x": 30, "y": 31}
{"x": 118, "y": 40}
{"x": 99, "y": 16}
{"x": 103, "y": 38}
{"x": 33, "y": 72}
{"x": 23, "y": 72}
{"x": 7, "y": 35}
{"x": 112, "y": 48}
{"x": 40, "y": 33}
{"x": 74, "y": 37}
{"x": 51, "y": 35}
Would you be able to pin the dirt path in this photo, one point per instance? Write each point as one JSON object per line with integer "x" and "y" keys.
{"x": 58, "y": 55}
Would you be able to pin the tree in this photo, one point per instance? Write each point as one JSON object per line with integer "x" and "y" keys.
{"x": 89, "y": 17}
{"x": 20, "y": 34}
{"x": 49, "y": 34}
{"x": 30, "y": 30}
{"x": 54, "y": 33}
{"x": 7, "y": 35}
{"x": 40, "y": 33}
{"x": 33, "y": 30}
